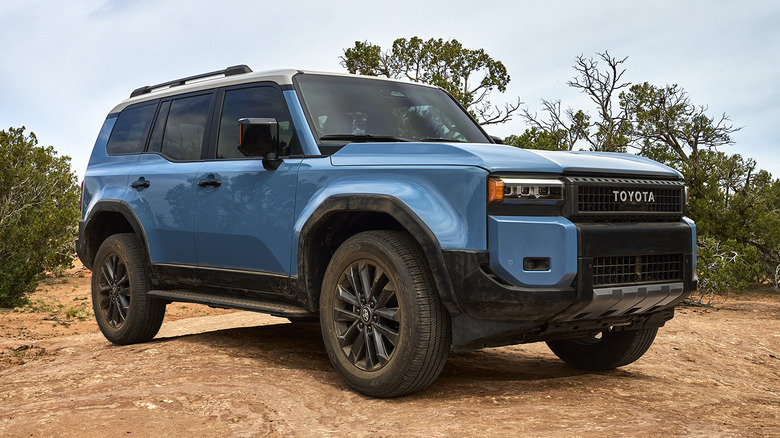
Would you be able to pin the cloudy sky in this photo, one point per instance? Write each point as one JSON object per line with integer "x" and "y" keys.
{"x": 64, "y": 65}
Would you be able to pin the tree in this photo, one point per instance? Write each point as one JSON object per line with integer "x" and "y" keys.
{"x": 609, "y": 130}
{"x": 469, "y": 75}
{"x": 38, "y": 213}
{"x": 667, "y": 127}
{"x": 738, "y": 208}
{"x": 535, "y": 138}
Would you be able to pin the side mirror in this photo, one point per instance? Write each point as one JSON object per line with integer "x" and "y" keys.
{"x": 497, "y": 140}
{"x": 260, "y": 138}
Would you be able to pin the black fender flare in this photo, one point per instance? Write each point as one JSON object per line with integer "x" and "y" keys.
{"x": 84, "y": 245}
{"x": 375, "y": 203}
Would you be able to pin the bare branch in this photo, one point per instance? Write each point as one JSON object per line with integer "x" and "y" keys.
{"x": 488, "y": 114}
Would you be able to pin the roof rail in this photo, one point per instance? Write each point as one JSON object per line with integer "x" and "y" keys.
{"x": 230, "y": 71}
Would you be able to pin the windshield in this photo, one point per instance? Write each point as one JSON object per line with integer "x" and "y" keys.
{"x": 345, "y": 109}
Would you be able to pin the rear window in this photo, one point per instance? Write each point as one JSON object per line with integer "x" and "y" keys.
{"x": 185, "y": 129}
{"x": 131, "y": 129}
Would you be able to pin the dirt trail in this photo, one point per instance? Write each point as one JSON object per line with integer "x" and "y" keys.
{"x": 709, "y": 373}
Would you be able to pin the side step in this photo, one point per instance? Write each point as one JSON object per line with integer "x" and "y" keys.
{"x": 255, "y": 305}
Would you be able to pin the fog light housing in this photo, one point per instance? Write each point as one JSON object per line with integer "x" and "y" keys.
{"x": 536, "y": 264}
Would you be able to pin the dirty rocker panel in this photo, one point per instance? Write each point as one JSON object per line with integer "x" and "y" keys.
{"x": 224, "y": 283}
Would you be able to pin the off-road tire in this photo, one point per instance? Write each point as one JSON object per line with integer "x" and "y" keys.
{"x": 123, "y": 310}
{"x": 407, "y": 304}
{"x": 610, "y": 350}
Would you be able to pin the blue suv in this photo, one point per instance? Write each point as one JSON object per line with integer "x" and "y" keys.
{"x": 383, "y": 210}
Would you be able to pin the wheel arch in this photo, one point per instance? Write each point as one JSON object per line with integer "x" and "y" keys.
{"x": 108, "y": 217}
{"x": 341, "y": 216}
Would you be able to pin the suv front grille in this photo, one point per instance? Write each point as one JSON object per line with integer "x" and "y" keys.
{"x": 625, "y": 199}
{"x": 637, "y": 269}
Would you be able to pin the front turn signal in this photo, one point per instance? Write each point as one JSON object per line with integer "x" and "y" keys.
{"x": 495, "y": 190}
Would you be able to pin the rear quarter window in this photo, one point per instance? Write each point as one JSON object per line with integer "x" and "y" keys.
{"x": 131, "y": 129}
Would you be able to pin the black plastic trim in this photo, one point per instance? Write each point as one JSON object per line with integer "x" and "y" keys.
{"x": 484, "y": 295}
{"x": 252, "y": 304}
{"x": 619, "y": 239}
{"x": 471, "y": 334}
{"x": 85, "y": 227}
{"x": 380, "y": 204}
{"x": 227, "y": 282}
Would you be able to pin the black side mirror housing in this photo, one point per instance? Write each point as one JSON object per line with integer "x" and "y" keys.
{"x": 496, "y": 139}
{"x": 260, "y": 138}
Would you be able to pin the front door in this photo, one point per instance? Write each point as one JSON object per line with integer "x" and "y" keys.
{"x": 244, "y": 214}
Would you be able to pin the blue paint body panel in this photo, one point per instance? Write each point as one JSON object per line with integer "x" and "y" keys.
{"x": 513, "y": 238}
{"x": 166, "y": 207}
{"x": 497, "y": 158}
{"x": 106, "y": 177}
{"x": 308, "y": 144}
{"x": 245, "y": 223}
{"x": 449, "y": 200}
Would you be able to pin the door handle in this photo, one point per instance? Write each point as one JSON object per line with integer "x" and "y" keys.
{"x": 140, "y": 184}
{"x": 210, "y": 183}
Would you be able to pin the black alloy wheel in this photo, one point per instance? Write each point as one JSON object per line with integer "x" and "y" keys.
{"x": 114, "y": 291}
{"x": 366, "y": 315}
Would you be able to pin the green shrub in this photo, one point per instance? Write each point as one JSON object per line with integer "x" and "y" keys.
{"x": 38, "y": 213}
{"x": 726, "y": 266}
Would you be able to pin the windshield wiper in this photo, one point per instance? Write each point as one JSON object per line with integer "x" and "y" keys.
{"x": 441, "y": 140}
{"x": 362, "y": 137}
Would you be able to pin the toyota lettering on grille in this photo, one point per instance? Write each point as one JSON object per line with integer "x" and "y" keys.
{"x": 633, "y": 196}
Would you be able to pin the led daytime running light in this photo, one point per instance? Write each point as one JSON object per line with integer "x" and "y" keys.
{"x": 524, "y": 189}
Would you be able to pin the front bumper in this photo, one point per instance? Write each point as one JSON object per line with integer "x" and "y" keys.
{"x": 497, "y": 312}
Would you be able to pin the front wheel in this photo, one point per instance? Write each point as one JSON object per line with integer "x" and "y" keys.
{"x": 604, "y": 350}
{"x": 384, "y": 327}
{"x": 123, "y": 310}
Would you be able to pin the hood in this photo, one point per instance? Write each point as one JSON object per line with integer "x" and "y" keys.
{"x": 498, "y": 158}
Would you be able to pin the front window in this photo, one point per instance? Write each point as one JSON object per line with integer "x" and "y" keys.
{"x": 254, "y": 102}
{"x": 344, "y": 109}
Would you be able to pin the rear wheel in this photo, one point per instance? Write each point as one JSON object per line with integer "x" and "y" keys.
{"x": 383, "y": 324}
{"x": 123, "y": 310}
{"x": 604, "y": 350}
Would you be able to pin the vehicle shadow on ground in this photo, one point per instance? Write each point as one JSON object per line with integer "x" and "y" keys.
{"x": 492, "y": 371}
{"x": 285, "y": 345}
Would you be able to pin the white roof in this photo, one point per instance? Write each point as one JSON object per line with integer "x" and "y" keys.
{"x": 281, "y": 77}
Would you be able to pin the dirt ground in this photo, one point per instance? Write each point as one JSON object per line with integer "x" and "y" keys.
{"x": 711, "y": 372}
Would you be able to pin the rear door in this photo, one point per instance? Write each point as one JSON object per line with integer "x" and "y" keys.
{"x": 163, "y": 182}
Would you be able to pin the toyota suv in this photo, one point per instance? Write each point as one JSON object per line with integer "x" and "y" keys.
{"x": 383, "y": 210}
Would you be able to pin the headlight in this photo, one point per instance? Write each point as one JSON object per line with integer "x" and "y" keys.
{"x": 523, "y": 190}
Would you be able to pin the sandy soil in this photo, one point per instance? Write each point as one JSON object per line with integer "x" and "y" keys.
{"x": 711, "y": 372}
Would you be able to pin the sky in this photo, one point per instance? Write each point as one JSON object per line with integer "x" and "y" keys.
{"x": 65, "y": 65}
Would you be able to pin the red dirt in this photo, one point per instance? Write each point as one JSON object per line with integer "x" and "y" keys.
{"x": 711, "y": 372}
